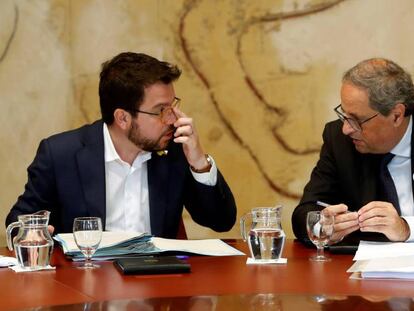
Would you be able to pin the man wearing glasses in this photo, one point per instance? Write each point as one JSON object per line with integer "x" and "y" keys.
{"x": 365, "y": 173}
{"x": 137, "y": 167}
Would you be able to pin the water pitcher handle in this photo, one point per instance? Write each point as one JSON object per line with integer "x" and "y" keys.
{"x": 9, "y": 231}
{"x": 243, "y": 226}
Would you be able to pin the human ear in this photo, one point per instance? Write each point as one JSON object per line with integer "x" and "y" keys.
{"x": 122, "y": 118}
{"x": 398, "y": 114}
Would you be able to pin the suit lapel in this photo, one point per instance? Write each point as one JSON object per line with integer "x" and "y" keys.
{"x": 91, "y": 165}
{"x": 158, "y": 171}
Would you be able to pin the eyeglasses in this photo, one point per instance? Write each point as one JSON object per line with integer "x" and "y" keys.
{"x": 355, "y": 124}
{"x": 166, "y": 113}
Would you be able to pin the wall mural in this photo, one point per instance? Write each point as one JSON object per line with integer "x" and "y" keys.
{"x": 8, "y": 29}
{"x": 277, "y": 113}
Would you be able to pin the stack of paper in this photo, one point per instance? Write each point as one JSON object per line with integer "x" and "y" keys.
{"x": 113, "y": 245}
{"x": 128, "y": 244}
{"x": 387, "y": 260}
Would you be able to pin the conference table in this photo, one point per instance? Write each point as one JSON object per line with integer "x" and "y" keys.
{"x": 215, "y": 283}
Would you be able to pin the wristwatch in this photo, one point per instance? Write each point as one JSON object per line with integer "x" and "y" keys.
{"x": 206, "y": 168}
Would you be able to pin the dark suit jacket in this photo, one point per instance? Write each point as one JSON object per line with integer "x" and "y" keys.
{"x": 342, "y": 175}
{"x": 67, "y": 177}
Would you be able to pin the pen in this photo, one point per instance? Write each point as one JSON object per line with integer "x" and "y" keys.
{"x": 323, "y": 204}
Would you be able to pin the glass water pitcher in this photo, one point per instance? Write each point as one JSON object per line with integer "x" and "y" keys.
{"x": 265, "y": 235}
{"x": 33, "y": 244}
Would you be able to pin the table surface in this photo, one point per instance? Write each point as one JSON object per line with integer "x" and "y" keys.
{"x": 220, "y": 279}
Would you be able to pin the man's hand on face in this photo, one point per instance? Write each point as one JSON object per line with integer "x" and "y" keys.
{"x": 345, "y": 222}
{"x": 186, "y": 134}
{"x": 382, "y": 217}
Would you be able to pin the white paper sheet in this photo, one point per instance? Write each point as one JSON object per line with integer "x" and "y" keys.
{"x": 388, "y": 275}
{"x": 210, "y": 247}
{"x": 383, "y": 276}
{"x": 371, "y": 250}
{"x": 383, "y": 260}
{"x": 399, "y": 264}
{"x": 7, "y": 261}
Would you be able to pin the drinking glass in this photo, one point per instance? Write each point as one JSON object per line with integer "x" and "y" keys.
{"x": 319, "y": 225}
{"x": 88, "y": 234}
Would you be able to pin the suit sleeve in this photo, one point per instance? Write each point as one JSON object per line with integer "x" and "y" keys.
{"x": 211, "y": 206}
{"x": 323, "y": 186}
{"x": 40, "y": 190}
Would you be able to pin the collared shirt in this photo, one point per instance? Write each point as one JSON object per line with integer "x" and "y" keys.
{"x": 400, "y": 170}
{"x": 127, "y": 195}
{"x": 127, "y": 202}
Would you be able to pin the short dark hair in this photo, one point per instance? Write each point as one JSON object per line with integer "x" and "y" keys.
{"x": 387, "y": 84}
{"x": 124, "y": 77}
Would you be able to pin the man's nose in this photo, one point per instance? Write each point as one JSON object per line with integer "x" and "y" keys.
{"x": 347, "y": 129}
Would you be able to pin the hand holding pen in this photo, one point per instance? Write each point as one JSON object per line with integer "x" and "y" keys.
{"x": 345, "y": 222}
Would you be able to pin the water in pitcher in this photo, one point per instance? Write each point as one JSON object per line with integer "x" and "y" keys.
{"x": 32, "y": 254}
{"x": 266, "y": 243}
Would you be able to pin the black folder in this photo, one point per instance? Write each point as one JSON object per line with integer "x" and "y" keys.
{"x": 152, "y": 265}
{"x": 343, "y": 249}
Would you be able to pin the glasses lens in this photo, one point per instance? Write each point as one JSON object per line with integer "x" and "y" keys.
{"x": 176, "y": 102}
{"x": 340, "y": 116}
{"x": 354, "y": 124}
{"x": 168, "y": 115}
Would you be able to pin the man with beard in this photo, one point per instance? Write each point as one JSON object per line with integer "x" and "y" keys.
{"x": 365, "y": 172}
{"x": 137, "y": 167}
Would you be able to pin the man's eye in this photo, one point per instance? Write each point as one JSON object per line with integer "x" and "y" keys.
{"x": 158, "y": 111}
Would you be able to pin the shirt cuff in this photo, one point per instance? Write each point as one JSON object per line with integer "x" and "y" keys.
{"x": 410, "y": 222}
{"x": 210, "y": 178}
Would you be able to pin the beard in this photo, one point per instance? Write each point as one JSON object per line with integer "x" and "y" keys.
{"x": 147, "y": 144}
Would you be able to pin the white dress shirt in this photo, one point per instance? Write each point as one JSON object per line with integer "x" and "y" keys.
{"x": 400, "y": 170}
{"x": 127, "y": 197}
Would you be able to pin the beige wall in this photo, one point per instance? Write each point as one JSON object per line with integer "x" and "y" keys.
{"x": 260, "y": 78}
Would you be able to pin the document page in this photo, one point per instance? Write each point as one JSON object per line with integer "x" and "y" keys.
{"x": 371, "y": 250}
{"x": 210, "y": 247}
{"x": 383, "y": 260}
{"x": 399, "y": 264}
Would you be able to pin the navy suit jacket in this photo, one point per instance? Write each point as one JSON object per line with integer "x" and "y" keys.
{"x": 342, "y": 175}
{"x": 67, "y": 177}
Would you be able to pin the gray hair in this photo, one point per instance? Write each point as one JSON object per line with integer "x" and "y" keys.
{"x": 387, "y": 84}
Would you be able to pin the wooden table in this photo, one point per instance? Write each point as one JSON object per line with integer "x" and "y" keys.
{"x": 226, "y": 278}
